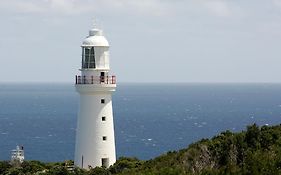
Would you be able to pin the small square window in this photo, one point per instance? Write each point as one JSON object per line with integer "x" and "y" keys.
{"x": 102, "y": 101}
{"x": 103, "y": 118}
{"x": 104, "y": 138}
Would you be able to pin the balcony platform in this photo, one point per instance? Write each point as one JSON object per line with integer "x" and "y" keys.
{"x": 95, "y": 79}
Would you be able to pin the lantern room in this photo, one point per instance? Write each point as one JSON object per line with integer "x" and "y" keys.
{"x": 95, "y": 51}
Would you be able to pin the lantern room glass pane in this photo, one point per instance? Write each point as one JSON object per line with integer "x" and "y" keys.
{"x": 83, "y": 59}
{"x": 92, "y": 58}
{"x": 88, "y": 60}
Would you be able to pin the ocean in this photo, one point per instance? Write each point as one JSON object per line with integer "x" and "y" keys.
{"x": 150, "y": 119}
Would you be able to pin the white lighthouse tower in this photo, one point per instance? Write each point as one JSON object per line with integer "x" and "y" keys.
{"x": 95, "y": 143}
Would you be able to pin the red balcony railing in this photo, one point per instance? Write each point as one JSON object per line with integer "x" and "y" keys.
{"x": 95, "y": 80}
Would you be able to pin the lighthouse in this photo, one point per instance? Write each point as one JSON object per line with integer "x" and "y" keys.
{"x": 95, "y": 142}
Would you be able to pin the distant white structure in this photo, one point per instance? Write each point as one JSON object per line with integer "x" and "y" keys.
{"x": 17, "y": 155}
{"x": 95, "y": 142}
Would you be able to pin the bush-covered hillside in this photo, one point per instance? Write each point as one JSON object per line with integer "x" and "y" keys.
{"x": 254, "y": 151}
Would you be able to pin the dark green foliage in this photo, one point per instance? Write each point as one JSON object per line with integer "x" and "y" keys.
{"x": 99, "y": 171}
{"x": 32, "y": 166}
{"x": 253, "y": 136}
{"x": 79, "y": 171}
{"x": 14, "y": 171}
{"x": 256, "y": 151}
{"x": 125, "y": 163}
{"x": 58, "y": 170}
{"x": 4, "y": 166}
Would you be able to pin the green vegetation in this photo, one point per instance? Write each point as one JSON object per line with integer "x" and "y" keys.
{"x": 252, "y": 152}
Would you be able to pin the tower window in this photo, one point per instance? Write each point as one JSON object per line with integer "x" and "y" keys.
{"x": 103, "y": 118}
{"x": 104, "y": 138}
{"x": 88, "y": 58}
{"x": 102, "y": 101}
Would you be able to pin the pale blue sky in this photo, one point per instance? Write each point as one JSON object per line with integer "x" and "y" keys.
{"x": 151, "y": 40}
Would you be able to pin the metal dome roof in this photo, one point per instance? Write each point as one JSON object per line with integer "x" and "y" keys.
{"x": 95, "y": 38}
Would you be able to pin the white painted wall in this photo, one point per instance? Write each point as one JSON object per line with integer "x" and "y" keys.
{"x": 89, "y": 73}
{"x": 91, "y": 128}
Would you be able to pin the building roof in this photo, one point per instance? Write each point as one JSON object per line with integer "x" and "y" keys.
{"x": 95, "y": 38}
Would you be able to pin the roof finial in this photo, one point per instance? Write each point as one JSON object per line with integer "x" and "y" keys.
{"x": 95, "y": 23}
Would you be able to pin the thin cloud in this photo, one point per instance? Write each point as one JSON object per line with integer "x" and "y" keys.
{"x": 161, "y": 8}
{"x": 218, "y": 7}
{"x": 85, "y": 6}
{"x": 19, "y": 6}
{"x": 277, "y": 2}
{"x": 43, "y": 6}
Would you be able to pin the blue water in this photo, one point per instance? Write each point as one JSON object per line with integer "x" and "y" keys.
{"x": 150, "y": 119}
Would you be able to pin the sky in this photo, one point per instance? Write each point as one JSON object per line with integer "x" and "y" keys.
{"x": 151, "y": 40}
